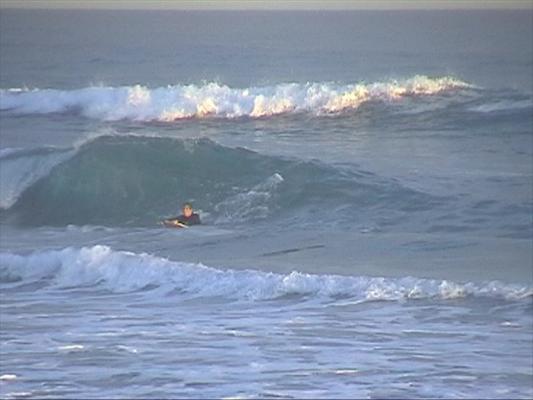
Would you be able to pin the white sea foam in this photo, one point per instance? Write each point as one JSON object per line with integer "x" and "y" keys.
{"x": 72, "y": 347}
{"x": 125, "y": 271}
{"x": 250, "y": 204}
{"x": 18, "y": 395}
{"x": 177, "y": 102}
{"x": 346, "y": 371}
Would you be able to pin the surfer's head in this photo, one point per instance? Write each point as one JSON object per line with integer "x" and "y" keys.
{"x": 187, "y": 209}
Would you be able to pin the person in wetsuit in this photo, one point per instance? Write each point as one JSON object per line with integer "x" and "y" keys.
{"x": 188, "y": 217}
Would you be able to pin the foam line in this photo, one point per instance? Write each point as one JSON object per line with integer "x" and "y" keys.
{"x": 125, "y": 271}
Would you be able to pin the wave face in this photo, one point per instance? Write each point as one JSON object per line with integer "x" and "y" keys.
{"x": 171, "y": 103}
{"x": 132, "y": 180}
{"x": 126, "y": 271}
{"x": 19, "y": 169}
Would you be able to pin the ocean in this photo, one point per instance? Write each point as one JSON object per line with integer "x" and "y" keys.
{"x": 364, "y": 179}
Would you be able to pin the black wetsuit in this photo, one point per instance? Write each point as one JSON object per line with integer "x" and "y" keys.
{"x": 194, "y": 219}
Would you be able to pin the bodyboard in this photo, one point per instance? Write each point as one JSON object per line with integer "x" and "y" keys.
{"x": 173, "y": 223}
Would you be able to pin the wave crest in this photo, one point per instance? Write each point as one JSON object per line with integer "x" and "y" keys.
{"x": 177, "y": 102}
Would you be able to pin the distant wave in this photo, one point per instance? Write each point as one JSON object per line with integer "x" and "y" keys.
{"x": 214, "y": 100}
{"x": 121, "y": 271}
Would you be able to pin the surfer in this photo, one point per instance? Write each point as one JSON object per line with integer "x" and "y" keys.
{"x": 186, "y": 219}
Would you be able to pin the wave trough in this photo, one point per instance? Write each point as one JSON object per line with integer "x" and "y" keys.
{"x": 177, "y": 102}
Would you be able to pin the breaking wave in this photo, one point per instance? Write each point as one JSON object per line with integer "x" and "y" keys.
{"x": 177, "y": 102}
{"x": 135, "y": 180}
{"x": 120, "y": 271}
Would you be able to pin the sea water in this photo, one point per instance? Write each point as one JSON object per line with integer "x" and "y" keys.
{"x": 364, "y": 181}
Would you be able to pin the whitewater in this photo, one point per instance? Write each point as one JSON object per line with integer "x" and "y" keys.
{"x": 366, "y": 193}
{"x": 179, "y": 102}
